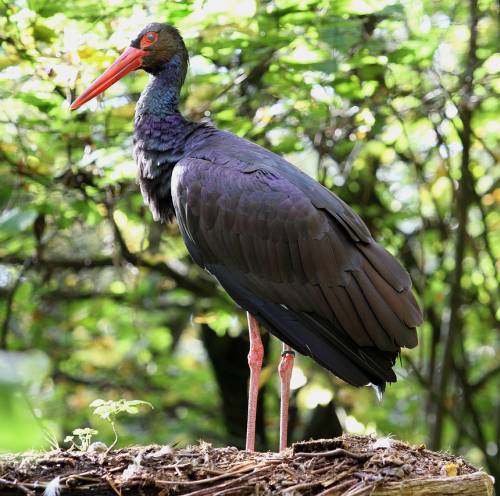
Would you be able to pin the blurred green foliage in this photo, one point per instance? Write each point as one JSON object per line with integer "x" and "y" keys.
{"x": 394, "y": 106}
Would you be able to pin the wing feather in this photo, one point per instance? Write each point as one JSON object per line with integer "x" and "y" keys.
{"x": 384, "y": 314}
{"x": 310, "y": 261}
{"x": 403, "y": 304}
{"x": 347, "y": 315}
{"x": 377, "y": 333}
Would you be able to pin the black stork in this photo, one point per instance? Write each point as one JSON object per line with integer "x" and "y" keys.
{"x": 287, "y": 250}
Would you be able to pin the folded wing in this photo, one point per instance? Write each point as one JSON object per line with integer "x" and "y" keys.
{"x": 300, "y": 260}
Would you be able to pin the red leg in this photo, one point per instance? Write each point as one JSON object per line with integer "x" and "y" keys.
{"x": 285, "y": 372}
{"x": 255, "y": 363}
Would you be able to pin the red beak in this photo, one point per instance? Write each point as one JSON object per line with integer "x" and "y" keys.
{"x": 128, "y": 61}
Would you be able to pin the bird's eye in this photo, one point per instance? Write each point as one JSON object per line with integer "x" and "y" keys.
{"x": 148, "y": 39}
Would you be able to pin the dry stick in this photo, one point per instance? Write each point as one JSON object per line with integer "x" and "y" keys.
{"x": 112, "y": 485}
{"x": 325, "y": 469}
{"x": 210, "y": 490}
{"x": 360, "y": 489}
{"x": 91, "y": 487}
{"x": 117, "y": 469}
{"x": 177, "y": 466}
{"x": 230, "y": 490}
{"x": 339, "y": 477}
{"x": 291, "y": 473}
{"x": 240, "y": 467}
{"x": 303, "y": 485}
{"x": 77, "y": 478}
{"x": 324, "y": 483}
{"x": 345, "y": 485}
{"x": 204, "y": 481}
{"x": 209, "y": 471}
{"x": 338, "y": 452}
{"x": 18, "y": 485}
{"x": 82, "y": 475}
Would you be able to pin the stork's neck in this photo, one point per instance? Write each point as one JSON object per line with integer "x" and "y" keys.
{"x": 159, "y": 126}
{"x": 161, "y": 95}
{"x": 162, "y": 136}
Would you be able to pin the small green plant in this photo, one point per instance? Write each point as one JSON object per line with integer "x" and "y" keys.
{"x": 84, "y": 438}
{"x": 108, "y": 410}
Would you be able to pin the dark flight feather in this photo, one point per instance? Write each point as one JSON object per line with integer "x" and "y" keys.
{"x": 295, "y": 256}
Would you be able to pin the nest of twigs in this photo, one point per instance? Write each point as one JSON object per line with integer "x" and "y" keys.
{"x": 350, "y": 465}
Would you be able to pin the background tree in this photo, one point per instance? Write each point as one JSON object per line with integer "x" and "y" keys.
{"x": 391, "y": 105}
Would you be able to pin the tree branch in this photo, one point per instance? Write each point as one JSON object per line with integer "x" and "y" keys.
{"x": 200, "y": 287}
{"x": 10, "y": 303}
{"x": 463, "y": 200}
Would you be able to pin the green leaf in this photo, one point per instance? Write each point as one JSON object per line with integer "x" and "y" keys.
{"x": 46, "y": 8}
{"x": 43, "y": 33}
{"x": 43, "y": 104}
{"x": 16, "y": 220}
{"x": 394, "y": 10}
{"x": 342, "y": 35}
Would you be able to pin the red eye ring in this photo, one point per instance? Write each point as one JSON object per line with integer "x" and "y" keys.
{"x": 148, "y": 39}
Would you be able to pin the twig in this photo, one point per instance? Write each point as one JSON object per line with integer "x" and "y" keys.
{"x": 302, "y": 485}
{"x": 205, "y": 481}
{"x": 10, "y": 303}
{"x": 231, "y": 490}
{"x": 20, "y": 486}
{"x": 485, "y": 378}
{"x": 112, "y": 485}
{"x": 336, "y": 489}
{"x": 214, "y": 490}
{"x": 201, "y": 287}
{"x": 338, "y": 452}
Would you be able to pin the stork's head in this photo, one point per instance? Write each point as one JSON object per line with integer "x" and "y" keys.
{"x": 152, "y": 50}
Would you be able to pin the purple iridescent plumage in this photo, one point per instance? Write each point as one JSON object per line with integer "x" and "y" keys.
{"x": 159, "y": 143}
{"x": 284, "y": 247}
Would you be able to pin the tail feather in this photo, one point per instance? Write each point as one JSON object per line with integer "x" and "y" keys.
{"x": 365, "y": 311}
{"x": 346, "y": 314}
{"x": 402, "y": 304}
{"x": 397, "y": 332}
{"x": 386, "y": 265}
